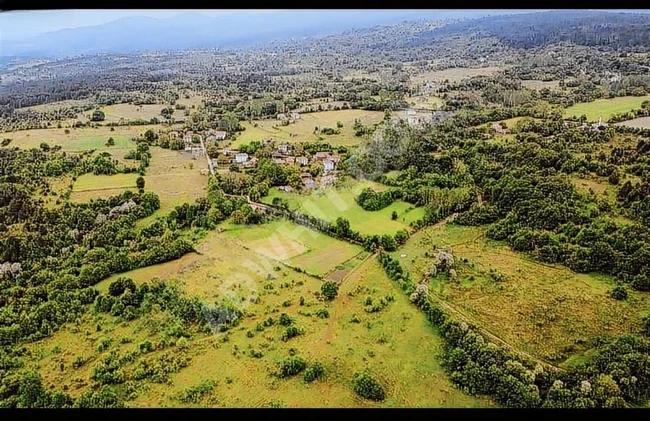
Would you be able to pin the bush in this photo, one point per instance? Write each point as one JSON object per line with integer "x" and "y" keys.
{"x": 290, "y": 332}
{"x": 314, "y": 372}
{"x": 329, "y": 290}
{"x": 285, "y": 320}
{"x": 290, "y": 367}
{"x": 365, "y": 386}
{"x": 618, "y": 293}
{"x": 322, "y": 313}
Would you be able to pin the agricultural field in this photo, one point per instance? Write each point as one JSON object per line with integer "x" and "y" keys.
{"x": 176, "y": 178}
{"x": 91, "y": 186}
{"x": 129, "y": 112}
{"x": 605, "y": 107}
{"x": 396, "y": 344}
{"x": 545, "y": 310}
{"x": 81, "y": 139}
{"x": 426, "y": 102}
{"x": 641, "y": 122}
{"x": 455, "y": 74}
{"x": 300, "y": 247}
{"x": 334, "y": 202}
{"x": 303, "y": 129}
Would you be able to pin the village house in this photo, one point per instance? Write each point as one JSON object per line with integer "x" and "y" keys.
{"x": 324, "y": 156}
{"x": 241, "y": 157}
{"x": 284, "y": 148}
{"x": 497, "y": 127}
{"x": 302, "y": 160}
{"x": 251, "y": 162}
{"x": 220, "y": 134}
{"x": 290, "y": 160}
{"x": 281, "y": 117}
{"x": 215, "y": 162}
{"x": 173, "y": 134}
{"x": 309, "y": 183}
{"x": 328, "y": 165}
{"x": 295, "y": 116}
{"x": 287, "y": 189}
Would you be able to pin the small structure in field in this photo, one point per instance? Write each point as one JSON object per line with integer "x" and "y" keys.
{"x": 499, "y": 128}
{"x": 220, "y": 135}
{"x": 328, "y": 165}
{"x": 241, "y": 157}
{"x": 287, "y": 189}
{"x": 205, "y": 171}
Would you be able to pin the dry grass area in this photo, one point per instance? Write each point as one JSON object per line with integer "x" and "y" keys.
{"x": 427, "y": 102}
{"x": 175, "y": 177}
{"x": 545, "y": 310}
{"x": 455, "y": 74}
{"x": 596, "y": 184}
{"x": 130, "y": 112}
{"x": 303, "y": 129}
{"x": 57, "y": 105}
{"x": 539, "y": 84}
{"x": 78, "y": 139}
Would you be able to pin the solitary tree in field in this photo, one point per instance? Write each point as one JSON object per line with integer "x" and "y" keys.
{"x": 329, "y": 290}
{"x": 140, "y": 182}
{"x": 110, "y": 142}
{"x": 98, "y": 115}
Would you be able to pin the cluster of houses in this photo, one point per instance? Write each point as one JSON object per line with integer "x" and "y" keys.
{"x": 593, "y": 126}
{"x": 289, "y": 118}
{"x": 416, "y": 118}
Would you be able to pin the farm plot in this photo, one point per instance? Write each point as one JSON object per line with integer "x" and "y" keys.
{"x": 545, "y": 310}
{"x": 303, "y": 130}
{"x": 605, "y": 107}
{"x": 334, "y": 202}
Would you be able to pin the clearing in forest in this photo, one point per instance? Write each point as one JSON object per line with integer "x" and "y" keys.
{"x": 334, "y": 202}
{"x": 545, "y": 310}
{"x": 303, "y": 129}
{"x": 605, "y": 107}
{"x": 455, "y": 74}
{"x": 91, "y": 186}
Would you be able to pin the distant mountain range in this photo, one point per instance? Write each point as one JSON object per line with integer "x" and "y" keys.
{"x": 193, "y": 30}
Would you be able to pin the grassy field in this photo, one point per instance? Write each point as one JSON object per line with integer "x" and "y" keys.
{"x": 303, "y": 129}
{"x": 298, "y": 246}
{"x": 114, "y": 113}
{"x": 397, "y": 344}
{"x": 78, "y": 139}
{"x": 454, "y": 74}
{"x": 90, "y": 186}
{"x": 546, "y": 310}
{"x": 605, "y": 107}
{"x": 539, "y": 84}
{"x": 428, "y": 102}
{"x": 642, "y": 122}
{"x": 332, "y": 203}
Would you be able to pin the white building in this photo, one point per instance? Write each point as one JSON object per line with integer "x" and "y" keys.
{"x": 328, "y": 165}
{"x": 302, "y": 160}
{"x": 241, "y": 157}
{"x": 220, "y": 135}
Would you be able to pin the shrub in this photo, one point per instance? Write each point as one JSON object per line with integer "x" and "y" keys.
{"x": 285, "y": 320}
{"x": 322, "y": 313}
{"x": 618, "y": 293}
{"x": 290, "y": 332}
{"x": 290, "y": 367}
{"x": 314, "y": 372}
{"x": 329, "y": 290}
{"x": 365, "y": 386}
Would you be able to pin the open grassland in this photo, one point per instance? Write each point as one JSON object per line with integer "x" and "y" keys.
{"x": 78, "y": 139}
{"x": 91, "y": 186}
{"x": 605, "y": 107}
{"x": 299, "y": 247}
{"x": 57, "y": 105}
{"x": 545, "y": 310}
{"x": 596, "y": 184}
{"x": 396, "y": 344}
{"x": 540, "y": 84}
{"x": 130, "y": 112}
{"x": 426, "y": 102}
{"x": 641, "y": 122}
{"x": 455, "y": 74}
{"x": 333, "y": 202}
{"x": 303, "y": 129}
{"x": 176, "y": 178}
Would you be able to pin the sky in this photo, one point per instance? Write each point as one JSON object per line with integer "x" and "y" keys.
{"x": 26, "y": 24}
